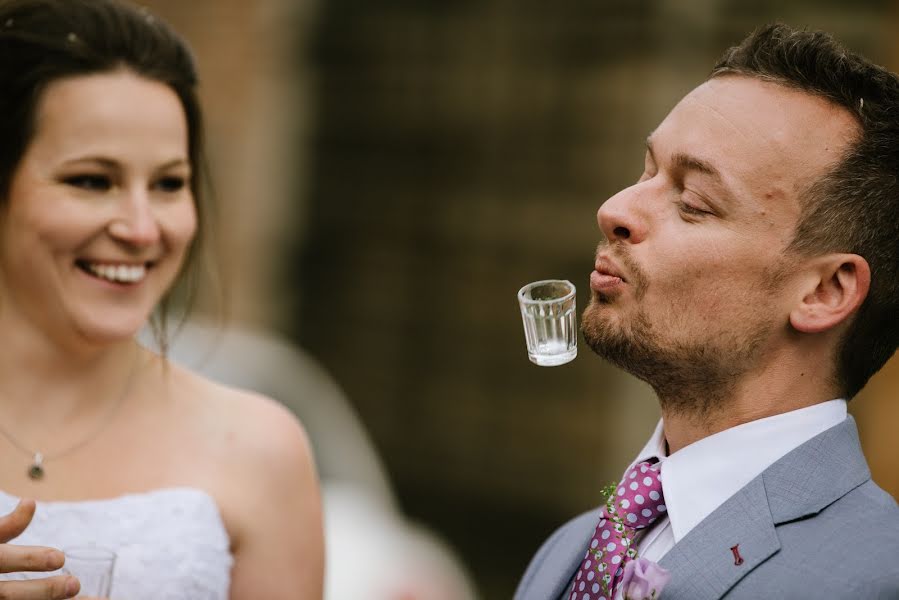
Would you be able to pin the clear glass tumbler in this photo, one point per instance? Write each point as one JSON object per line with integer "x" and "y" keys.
{"x": 93, "y": 567}
{"x": 550, "y": 326}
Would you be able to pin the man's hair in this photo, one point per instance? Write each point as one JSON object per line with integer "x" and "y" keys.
{"x": 855, "y": 207}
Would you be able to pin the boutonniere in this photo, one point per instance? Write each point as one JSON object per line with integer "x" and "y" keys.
{"x": 642, "y": 579}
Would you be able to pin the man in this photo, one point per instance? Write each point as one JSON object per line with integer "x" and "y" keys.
{"x": 751, "y": 277}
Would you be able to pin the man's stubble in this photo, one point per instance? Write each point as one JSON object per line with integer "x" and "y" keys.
{"x": 693, "y": 371}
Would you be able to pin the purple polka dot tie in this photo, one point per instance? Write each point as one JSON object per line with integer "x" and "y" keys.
{"x": 637, "y": 503}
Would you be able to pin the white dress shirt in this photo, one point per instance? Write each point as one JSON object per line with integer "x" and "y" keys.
{"x": 698, "y": 478}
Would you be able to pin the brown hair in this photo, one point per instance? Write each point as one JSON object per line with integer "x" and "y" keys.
{"x": 855, "y": 207}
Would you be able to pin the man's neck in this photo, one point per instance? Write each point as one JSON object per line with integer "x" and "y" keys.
{"x": 751, "y": 399}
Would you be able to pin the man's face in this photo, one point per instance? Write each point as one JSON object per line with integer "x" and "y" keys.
{"x": 692, "y": 286}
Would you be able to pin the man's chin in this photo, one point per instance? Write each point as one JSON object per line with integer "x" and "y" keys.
{"x": 699, "y": 371}
{"x": 601, "y": 329}
{"x": 629, "y": 346}
{"x": 601, "y": 298}
{"x": 600, "y": 319}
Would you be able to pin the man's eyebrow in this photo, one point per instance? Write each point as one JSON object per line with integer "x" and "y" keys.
{"x": 688, "y": 162}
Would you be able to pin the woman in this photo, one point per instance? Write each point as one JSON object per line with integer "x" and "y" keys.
{"x": 201, "y": 490}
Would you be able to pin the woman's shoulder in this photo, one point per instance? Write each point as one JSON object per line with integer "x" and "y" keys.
{"x": 247, "y": 429}
{"x": 255, "y": 459}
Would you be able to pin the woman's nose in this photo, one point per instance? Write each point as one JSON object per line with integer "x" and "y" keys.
{"x": 135, "y": 223}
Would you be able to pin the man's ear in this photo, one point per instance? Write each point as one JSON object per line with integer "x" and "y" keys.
{"x": 837, "y": 285}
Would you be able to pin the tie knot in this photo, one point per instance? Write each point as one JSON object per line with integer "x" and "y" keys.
{"x": 638, "y": 499}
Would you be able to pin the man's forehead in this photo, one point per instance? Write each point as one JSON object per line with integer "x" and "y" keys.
{"x": 746, "y": 129}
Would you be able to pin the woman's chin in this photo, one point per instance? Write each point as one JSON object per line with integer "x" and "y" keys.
{"x": 110, "y": 330}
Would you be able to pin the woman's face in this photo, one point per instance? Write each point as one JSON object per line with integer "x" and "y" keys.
{"x": 100, "y": 214}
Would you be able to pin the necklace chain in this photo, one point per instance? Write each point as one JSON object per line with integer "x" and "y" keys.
{"x": 36, "y": 470}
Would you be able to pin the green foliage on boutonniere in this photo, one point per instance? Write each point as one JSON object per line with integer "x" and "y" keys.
{"x": 625, "y": 540}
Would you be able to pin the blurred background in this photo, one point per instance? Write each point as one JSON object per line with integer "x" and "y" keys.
{"x": 389, "y": 173}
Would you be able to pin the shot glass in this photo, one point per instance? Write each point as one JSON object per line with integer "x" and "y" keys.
{"x": 93, "y": 567}
{"x": 550, "y": 327}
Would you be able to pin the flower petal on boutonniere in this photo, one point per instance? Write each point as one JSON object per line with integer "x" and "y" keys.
{"x": 643, "y": 580}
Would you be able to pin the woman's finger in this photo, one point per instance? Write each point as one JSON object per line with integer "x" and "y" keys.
{"x": 49, "y": 588}
{"x": 13, "y": 524}
{"x": 15, "y": 559}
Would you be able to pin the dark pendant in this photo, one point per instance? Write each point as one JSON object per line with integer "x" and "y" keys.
{"x": 36, "y": 471}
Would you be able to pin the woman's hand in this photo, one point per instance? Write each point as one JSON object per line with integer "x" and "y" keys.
{"x": 16, "y": 559}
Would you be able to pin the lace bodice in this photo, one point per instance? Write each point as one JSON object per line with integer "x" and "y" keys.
{"x": 171, "y": 544}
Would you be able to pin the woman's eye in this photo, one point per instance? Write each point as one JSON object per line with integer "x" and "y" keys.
{"x": 89, "y": 182}
{"x": 171, "y": 184}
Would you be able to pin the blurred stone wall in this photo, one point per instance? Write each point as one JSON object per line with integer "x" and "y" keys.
{"x": 257, "y": 101}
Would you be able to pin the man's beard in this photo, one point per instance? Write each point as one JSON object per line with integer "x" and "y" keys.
{"x": 692, "y": 376}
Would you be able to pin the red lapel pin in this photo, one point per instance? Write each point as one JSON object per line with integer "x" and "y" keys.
{"x": 738, "y": 560}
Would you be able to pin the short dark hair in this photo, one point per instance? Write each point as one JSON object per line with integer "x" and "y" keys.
{"x": 855, "y": 207}
{"x": 42, "y": 41}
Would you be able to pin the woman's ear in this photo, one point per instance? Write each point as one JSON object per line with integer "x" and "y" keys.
{"x": 836, "y": 288}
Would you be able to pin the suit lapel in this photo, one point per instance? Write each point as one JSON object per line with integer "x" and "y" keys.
{"x": 702, "y": 564}
{"x": 817, "y": 473}
{"x": 802, "y": 483}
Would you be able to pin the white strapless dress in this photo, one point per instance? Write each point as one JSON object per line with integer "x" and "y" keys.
{"x": 170, "y": 543}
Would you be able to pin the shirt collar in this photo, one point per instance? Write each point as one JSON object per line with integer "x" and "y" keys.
{"x": 700, "y": 477}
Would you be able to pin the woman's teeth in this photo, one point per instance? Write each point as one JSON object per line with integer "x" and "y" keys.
{"x": 118, "y": 273}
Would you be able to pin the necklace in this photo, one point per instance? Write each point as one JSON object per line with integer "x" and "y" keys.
{"x": 36, "y": 471}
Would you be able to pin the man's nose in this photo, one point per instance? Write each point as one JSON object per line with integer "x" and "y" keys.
{"x": 623, "y": 217}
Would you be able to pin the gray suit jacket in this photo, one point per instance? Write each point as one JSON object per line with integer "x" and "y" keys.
{"x": 812, "y": 525}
